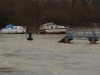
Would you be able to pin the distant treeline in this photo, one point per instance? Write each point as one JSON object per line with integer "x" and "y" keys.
{"x": 33, "y": 13}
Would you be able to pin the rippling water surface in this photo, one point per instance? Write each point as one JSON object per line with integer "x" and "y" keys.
{"x": 45, "y": 56}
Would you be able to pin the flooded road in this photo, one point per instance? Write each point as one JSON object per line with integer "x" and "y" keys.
{"x": 45, "y": 56}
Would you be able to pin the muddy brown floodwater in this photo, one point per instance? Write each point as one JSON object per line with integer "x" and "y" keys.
{"x": 45, "y": 56}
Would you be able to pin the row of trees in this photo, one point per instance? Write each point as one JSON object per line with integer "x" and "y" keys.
{"x": 33, "y": 13}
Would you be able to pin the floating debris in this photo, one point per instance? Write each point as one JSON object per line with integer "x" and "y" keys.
{"x": 9, "y": 55}
{"x": 6, "y": 69}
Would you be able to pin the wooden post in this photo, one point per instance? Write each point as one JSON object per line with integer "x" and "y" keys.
{"x": 92, "y": 41}
{"x": 66, "y": 40}
{"x": 30, "y": 37}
